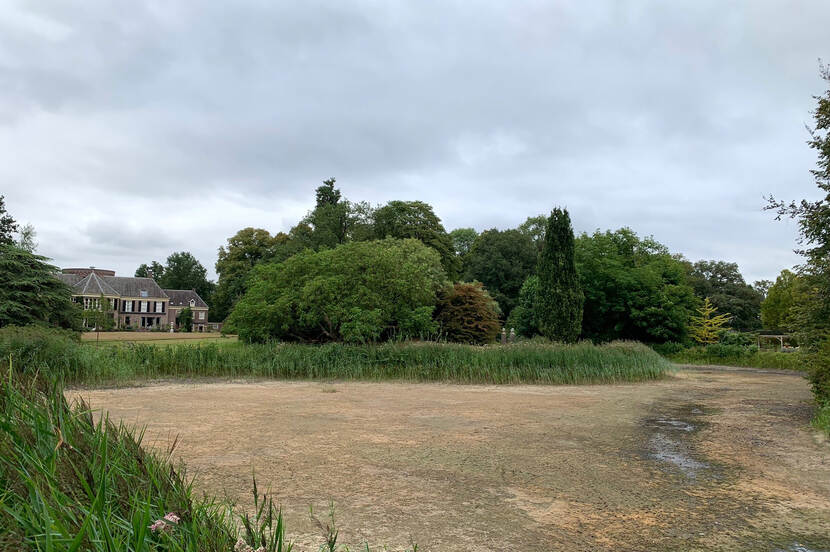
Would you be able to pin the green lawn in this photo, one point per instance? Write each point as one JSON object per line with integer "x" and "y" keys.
{"x": 156, "y": 338}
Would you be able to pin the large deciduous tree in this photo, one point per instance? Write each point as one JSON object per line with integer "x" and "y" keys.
{"x": 811, "y": 318}
{"x": 357, "y": 292}
{"x": 184, "y": 271}
{"x": 723, "y": 284}
{"x": 634, "y": 288}
{"x": 416, "y": 219}
{"x": 813, "y": 217}
{"x": 154, "y": 270}
{"x": 501, "y": 260}
{"x": 462, "y": 241}
{"x": 560, "y": 300}
{"x": 244, "y": 250}
{"x": 181, "y": 271}
{"x": 787, "y": 293}
{"x": 335, "y": 220}
{"x": 28, "y": 238}
{"x": 30, "y": 293}
{"x": 534, "y": 227}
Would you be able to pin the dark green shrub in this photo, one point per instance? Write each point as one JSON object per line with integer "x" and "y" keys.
{"x": 669, "y": 348}
{"x": 467, "y": 314}
{"x": 743, "y": 339}
{"x": 735, "y": 355}
{"x": 524, "y": 318}
{"x": 185, "y": 320}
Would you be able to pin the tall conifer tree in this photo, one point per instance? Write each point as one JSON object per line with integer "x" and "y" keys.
{"x": 560, "y": 294}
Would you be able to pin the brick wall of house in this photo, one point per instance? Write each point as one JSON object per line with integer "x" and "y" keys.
{"x": 133, "y": 319}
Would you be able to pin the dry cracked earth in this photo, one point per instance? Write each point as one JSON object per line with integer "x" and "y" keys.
{"x": 703, "y": 460}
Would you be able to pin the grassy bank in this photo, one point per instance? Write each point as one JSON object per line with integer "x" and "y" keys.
{"x": 739, "y": 356}
{"x": 520, "y": 363}
{"x": 68, "y": 483}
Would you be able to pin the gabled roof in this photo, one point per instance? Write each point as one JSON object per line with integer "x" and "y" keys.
{"x": 69, "y": 279}
{"x": 182, "y": 298}
{"x": 132, "y": 287}
{"x": 93, "y": 284}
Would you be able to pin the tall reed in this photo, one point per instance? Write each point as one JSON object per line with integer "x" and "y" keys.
{"x": 541, "y": 363}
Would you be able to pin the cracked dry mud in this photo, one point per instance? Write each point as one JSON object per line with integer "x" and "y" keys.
{"x": 699, "y": 461}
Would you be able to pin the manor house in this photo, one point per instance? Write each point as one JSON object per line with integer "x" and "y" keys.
{"x": 137, "y": 303}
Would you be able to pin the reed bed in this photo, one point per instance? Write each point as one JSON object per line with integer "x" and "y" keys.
{"x": 539, "y": 363}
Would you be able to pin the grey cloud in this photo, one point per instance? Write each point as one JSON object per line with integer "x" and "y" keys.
{"x": 672, "y": 119}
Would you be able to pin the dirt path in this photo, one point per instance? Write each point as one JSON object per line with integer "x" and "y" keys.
{"x": 700, "y": 461}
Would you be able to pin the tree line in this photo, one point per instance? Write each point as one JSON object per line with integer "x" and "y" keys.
{"x": 621, "y": 286}
{"x": 624, "y": 286}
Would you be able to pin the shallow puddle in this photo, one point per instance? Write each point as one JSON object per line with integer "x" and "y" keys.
{"x": 669, "y": 439}
{"x": 666, "y": 449}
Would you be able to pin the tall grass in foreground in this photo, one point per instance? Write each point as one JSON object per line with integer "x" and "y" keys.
{"x": 68, "y": 483}
{"x": 498, "y": 364}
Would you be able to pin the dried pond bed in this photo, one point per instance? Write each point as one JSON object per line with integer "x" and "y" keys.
{"x": 700, "y": 461}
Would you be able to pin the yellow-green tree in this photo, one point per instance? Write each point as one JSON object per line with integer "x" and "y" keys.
{"x": 707, "y": 326}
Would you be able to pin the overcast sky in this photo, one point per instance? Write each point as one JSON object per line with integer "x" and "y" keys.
{"x": 129, "y": 130}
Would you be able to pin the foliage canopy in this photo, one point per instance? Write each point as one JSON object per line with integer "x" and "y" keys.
{"x": 236, "y": 259}
{"x": 357, "y": 292}
{"x": 501, "y": 260}
{"x": 30, "y": 293}
{"x": 634, "y": 289}
{"x": 783, "y": 296}
{"x": 182, "y": 271}
{"x": 723, "y": 284}
{"x": 416, "y": 219}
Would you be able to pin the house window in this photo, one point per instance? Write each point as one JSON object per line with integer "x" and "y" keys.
{"x": 143, "y": 293}
{"x": 201, "y": 315}
{"x": 143, "y": 306}
{"x": 160, "y": 306}
{"x": 126, "y": 320}
{"x": 193, "y": 302}
{"x": 128, "y": 307}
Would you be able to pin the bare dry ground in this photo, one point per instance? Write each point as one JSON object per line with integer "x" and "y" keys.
{"x": 699, "y": 461}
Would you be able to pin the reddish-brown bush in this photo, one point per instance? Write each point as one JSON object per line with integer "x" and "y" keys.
{"x": 467, "y": 314}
